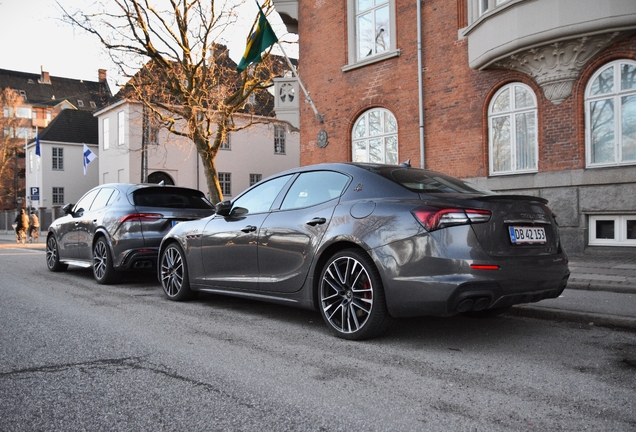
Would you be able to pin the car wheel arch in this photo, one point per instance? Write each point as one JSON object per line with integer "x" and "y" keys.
{"x": 321, "y": 261}
{"x": 99, "y": 233}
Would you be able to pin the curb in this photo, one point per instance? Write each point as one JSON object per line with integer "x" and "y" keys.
{"x": 588, "y": 318}
{"x": 595, "y": 286}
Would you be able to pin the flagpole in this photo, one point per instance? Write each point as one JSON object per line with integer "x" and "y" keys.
{"x": 320, "y": 117}
{"x": 26, "y": 158}
{"x": 38, "y": 174}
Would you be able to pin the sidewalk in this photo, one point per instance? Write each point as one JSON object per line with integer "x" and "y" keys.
{"x": 601, "y": 290}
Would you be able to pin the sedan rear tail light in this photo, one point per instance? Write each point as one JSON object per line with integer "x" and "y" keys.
{"x": 141, "y": 217}
{"x": 434, "y": 218}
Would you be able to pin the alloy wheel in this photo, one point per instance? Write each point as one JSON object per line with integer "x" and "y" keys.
{"x": 346, "y": 294}
{"x": 100, "y": 260}
{"x": 172, "y": 271}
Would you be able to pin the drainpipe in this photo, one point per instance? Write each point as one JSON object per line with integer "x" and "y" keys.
{"x": 419, "y": 81}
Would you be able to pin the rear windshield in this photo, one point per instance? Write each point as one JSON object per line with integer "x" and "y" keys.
{"x": 425, "y": 181}
{"x": 171, "y": 198}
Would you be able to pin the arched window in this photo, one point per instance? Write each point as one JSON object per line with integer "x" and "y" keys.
{"x": 610, "y": 115}
{"x": 512, "y": 130}
{"x": 159, "y": 176}
{"x": 374, "y": 138}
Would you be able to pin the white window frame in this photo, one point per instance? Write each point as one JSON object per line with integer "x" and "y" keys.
{"x": 255, "y": 178}
{"x": 511, "y": 113}
{"x": 106, "y": 133}
{"x": 226, "y": 144}
{"x": 616, "y": 97}
{"x": 225, "y": 181}
{"x": 352, "y": 40}
{"x": 280, "y": 140}
{"x": 121, "y": 128}
{"x": 620, "y": 230}
{"x": 57, "y": 194}
{"x": 383, "y": 135}
{"x": 57, "y": 158}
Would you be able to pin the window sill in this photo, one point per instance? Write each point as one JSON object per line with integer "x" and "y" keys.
{"x": 371, "y": 60}
{"x": 512, "y": 173}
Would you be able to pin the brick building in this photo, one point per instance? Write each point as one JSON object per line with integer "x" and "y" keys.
{"x": 520, "y": 96}
{"x": 43, "y": 97}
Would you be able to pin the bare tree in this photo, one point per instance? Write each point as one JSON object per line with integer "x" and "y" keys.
{"x": 10, "y": 146}
{"x": 177, "y": 70}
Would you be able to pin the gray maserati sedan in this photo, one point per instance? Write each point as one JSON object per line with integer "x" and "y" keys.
{"x": 364, "y": 243}
{"x": 119, "y": 226}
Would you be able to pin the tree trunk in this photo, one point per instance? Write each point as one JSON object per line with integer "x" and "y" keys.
{"x": 209, "y": 168}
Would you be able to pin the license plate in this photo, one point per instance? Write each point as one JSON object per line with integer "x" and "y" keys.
{"x": 527, "y": 234}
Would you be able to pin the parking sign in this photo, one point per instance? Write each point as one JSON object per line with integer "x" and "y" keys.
{"x": 35, "y": 194}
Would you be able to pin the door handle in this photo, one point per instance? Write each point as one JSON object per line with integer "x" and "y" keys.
{"x": 249, "y": 228}
{"x": 317, "y": 221}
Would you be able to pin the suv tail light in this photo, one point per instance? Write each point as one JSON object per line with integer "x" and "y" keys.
{"x": 140, "y": 217}
{"x": 434, "y": 218}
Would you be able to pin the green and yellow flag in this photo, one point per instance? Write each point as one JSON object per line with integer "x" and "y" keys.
{"x": 261, "y": 38}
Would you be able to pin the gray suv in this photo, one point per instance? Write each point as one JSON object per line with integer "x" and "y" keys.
{"x": 116, "y": 227}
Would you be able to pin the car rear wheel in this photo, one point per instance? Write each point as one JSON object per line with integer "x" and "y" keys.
{"x": 103, "y": 269}
{"x": 53, "y": 256}
{"x": 173, "y": 272}
{"x": 352, "y": 301}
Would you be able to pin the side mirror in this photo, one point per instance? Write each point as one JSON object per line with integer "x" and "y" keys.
{"x": 67, "y": 209}
{"x": 238, "y": 211}
{"x": 223, "y": 208}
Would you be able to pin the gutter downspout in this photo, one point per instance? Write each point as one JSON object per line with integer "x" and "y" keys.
{"x": 420, "y": 85}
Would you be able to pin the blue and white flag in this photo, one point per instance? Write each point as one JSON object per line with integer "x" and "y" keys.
{"x": 89, "y": 157}
{"x": 37, "y": 145}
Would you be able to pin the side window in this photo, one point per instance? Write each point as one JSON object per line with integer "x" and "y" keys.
{"x": 610, "y": 115}
{"x": 313, "y": 188}
{"x": 512, "y": 130}
{"x": 375, "y": 137}
{"x": 261, "y": 198}
{"x": 102, "y": 198}
{"x": 85, "y": 202}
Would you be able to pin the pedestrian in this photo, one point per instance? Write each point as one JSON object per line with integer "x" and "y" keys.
{"x": 22, "y": 223}
{"x": 34, "y": 228}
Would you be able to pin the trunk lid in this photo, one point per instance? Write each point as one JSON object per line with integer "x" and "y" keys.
{"x": 519, "y": 226}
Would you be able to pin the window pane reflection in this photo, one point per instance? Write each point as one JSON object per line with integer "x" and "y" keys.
{"x": 602, "y": 128}
{"x": 605, "y": 229}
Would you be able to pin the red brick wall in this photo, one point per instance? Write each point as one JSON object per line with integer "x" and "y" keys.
{"x": 455, "y": 97}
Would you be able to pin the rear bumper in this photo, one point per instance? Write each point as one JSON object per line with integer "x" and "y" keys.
{"x": 435, "y": 285}
{"x": 144, "y": 258}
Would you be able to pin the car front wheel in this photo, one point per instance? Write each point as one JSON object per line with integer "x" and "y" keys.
{"x": 352, "y": 301}
{"x": 53, "y": 255}
{"x": 173, "y": 273}
{"x": 103, "y": 269}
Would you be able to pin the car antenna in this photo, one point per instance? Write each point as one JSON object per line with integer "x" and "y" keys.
{"x": 406, "y": 164}
{"x": 161, "y": 183}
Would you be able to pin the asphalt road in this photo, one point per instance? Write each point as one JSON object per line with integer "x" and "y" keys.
{"x": 75, "y": 355}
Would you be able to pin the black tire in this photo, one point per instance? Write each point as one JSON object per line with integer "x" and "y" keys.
{"x": 351, "y": 296}
{"x": 53, "y": 256}
{"x": 173, "y": 273}
{"x": 103, "y": 269}
{"x": 486, "y": 313}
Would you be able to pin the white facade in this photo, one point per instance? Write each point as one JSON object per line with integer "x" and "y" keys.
{"x": 251, "y": 151}
{"x": 59, "y": 170}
